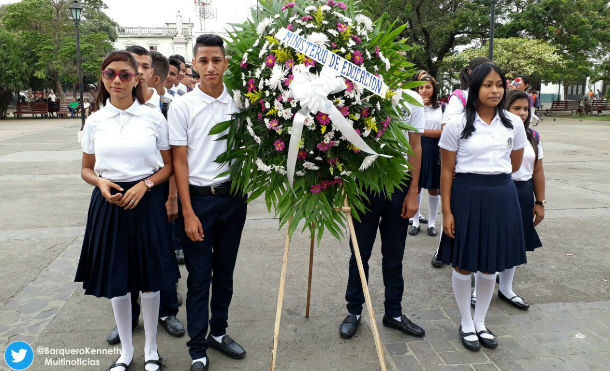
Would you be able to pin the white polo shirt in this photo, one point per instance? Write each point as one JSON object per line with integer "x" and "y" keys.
{"x": 415, "y": 116}
{"x": 154, "y": 101}
{"x": 126, "y": 143}
{"x": 455, "y": 106}
{"x": 526, "y": 171}
{"x": 434, "y": 117}
{"x": 190, "y": 119}
{"x": 487, "y": 150}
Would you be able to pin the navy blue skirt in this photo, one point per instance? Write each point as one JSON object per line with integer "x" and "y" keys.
{"x": 430, "y": 171}
{"x": 525, "y": 190}
{"x": 127, "y": 250}
{"x": 488, "y": 226}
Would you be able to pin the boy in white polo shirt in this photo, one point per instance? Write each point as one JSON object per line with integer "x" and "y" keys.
{"x": 212, "y": 218}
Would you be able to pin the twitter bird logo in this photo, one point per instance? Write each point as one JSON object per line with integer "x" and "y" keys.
{"x": 19, "y": 355}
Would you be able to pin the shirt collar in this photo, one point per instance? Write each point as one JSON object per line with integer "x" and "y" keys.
{"x": 154, "y": 99}
{"x": 111, "y": 111}
{"x": 223, "y": 98}
{"x": 493, "y": 121}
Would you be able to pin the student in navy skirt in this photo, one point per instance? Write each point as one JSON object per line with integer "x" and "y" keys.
{"x": 482, "y": 227}
{"x": 126, "y": 244}
{"x": 430, "y": 173}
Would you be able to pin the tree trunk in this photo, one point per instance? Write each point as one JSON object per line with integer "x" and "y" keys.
{"x": 59, "y": 91}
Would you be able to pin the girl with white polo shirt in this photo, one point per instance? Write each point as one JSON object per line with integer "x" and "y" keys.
{"x": 126, "y": 243}
{"x": 482, "y": 228}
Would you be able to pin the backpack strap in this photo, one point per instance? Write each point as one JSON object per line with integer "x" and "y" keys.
{"x": 458, "y": 93}
{"x": 536, "y": 135}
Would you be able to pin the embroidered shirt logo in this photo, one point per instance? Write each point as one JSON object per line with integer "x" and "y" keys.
{"x": 509, "y": 143}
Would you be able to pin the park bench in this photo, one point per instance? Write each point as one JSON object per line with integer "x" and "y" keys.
{"x": 600, "y": 105}
{"x": 32, "y": 108}
{"x": 562, "y": 106}
{"x": 63, "y": 110}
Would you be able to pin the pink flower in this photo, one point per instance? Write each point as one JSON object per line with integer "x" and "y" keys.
{"x": 357, "y": 58}
{"x": 326, "y": 146}
{"x": 341, "y": 27}
{"x": 323, "y": 118}
{"x": 260, "y": 116}
{"x": 331, "y": 3}
{"x": 289, "y": 63}
{"x": 357, "y": 39}
{"x": 279, "y": 145}
{"x": 365, "y": 112}
{"x": 344, "y": 111}
{"x": 288, "y": 6}
{"x": 350, "y": 85}
{"x": 272, "y": 125}
{"x": 377, "y": 51}
{"x": 316, "y": 188}
{"x": 333, "y": 45}
{"x": 251, "y": 85}
{"x": 325, "y": 184}
{"x": 357, "y": 131}
{"x": 309, "y": 62}
{"x": 243, "y": 64}
{"x": 333, "y": 161}
{"x": 279, "y": 98}
{"x": 302, "y": 155}
{"x": 338, "y": 181}
{"x": 288, "y": 80}
{"x": 307, "y": 18}
{"x": 289, "y": 27}
{"x": 262, "y": 103}
{"x": 342, "y": 5}
{"x": 270, "y": 61}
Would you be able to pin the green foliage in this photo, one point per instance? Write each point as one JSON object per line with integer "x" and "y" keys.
{"x": 13, "y": 73}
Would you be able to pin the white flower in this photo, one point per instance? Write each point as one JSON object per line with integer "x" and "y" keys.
{"x": 278, "y": 73}
{"x": 277, "y": 105}
{"x": 378, "y": 106}
{"x": 293, "y": 103}
{"x": 342, "y": 50}
{"x": 368, "y": 55}
{"x": 292, "y": 18}
{"x": 262, "y": 26}
{"x": 376, "y": 68}
{"x": 365, "y": 21}
{"x": 266, "y": 93}
{"x": 276, "y": 16}
{"x": 299, "y": 173}
{"x": 366, "y": 133}
{"x": 310, "y": 9}
{"x": 326, "y": 140}
{"x": 309, "y": 122}
{"x": 286, "y": 114}
{"x": 280, "y": 169}
{"x": 261, "y": 84}
{"x": 346, "y": 173}
{"x": 351, "y": 43}
{"x": 256, "y": 42}
{"x": 244, "y": 59}
{"x": 325, "y": 8}
{"x": 258, "y": 72}
{"x": 318, "y": 38}
{"x": 261, "y": 166}
{"x": 263, "y": 49}
{"x": 267, "y": 105}
{"x": 310, "y": 166}
{"x": 385, "y": 60}
{"x": 339, "y": 102}
{"x": 310, "y": 25}
{"x": 333, "y": 32}
{"x": 298, "y": 31}
{"x": 397, "y": 97}
{"x": 237, "y": 99}
{"x": 246, "y": 103}
{"x": 318, "y": 158}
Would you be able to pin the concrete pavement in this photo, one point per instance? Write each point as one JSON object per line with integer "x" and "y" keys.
{"x": 44, "y": 205}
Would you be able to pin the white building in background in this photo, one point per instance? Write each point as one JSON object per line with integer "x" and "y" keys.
{"x": 173, "y": 38}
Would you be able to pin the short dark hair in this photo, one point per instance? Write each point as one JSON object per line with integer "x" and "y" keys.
{"x": 179, "y": 57}
{"x": 188, "y": 66}
{"x": 525, "y": 78}
{"x": 137, "y": 49}
{"x": 209, "y": 39}
{"x": 173, "y": 61}
{"x": 160, "y": 64}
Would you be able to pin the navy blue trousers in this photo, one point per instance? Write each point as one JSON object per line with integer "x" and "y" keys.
{"x": 211, "y": 261}
{"x": 384, "y": 214}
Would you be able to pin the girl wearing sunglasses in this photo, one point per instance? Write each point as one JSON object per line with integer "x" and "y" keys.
{"x": 126, "y": 247}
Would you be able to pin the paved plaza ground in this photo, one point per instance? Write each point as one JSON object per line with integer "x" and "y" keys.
{"x": 44, "y": 206}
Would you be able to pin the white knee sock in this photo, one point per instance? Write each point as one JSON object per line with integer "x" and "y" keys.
{"x": 434, "y": 202}
{"x": 461, "y": 290}
{"x": 121, "y": 306}
{"x": 418, "y": 213}
{"x": 150, "y": 315}
{"x": 506, "y": 283}
{"x": 484, "y": 286}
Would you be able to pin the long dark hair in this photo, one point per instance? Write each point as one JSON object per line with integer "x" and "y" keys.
{"x": 434, "y": 97}
{"x": 476, "y": 80}
{"x": 466, "y": 71}
{"x": 511, "y": 97}
{"x": 119, "y": 56}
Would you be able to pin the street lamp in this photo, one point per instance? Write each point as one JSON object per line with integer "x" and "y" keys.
{"x": 76, "y": 10}
{"x": 491, "y": 29}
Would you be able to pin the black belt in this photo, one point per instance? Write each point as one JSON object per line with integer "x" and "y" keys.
{"x": 223, "y": 189}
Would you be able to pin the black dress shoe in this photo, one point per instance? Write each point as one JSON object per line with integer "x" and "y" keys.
{"x": 158, "y": 362}
{"x": 486, "y": 342}
{"x": 423, "y": 220}
{"x": 172, "y": 325}
{"x": 114, "y": 338}
{"x": 199, "y": 366}
{"x": 227, "y": 346}
{"x": 410, "y": 221}
{"x": 405, "y": 325}
{"x": 180, "y": 256}
{"x": 116, "y": 364}
{"x": 432, "y": 232}
{"x": 413, "y": 230}
{"x": 348, "y": 327}
{"x": 520, "y": 305}
{"x": 473, "y": 345}
{"x": 436, "y": 263}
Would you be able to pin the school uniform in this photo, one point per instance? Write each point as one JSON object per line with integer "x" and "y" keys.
{"x": 430, "y": 172}
{"x": 525, "y": 191}
{"x": 384, "y": 214}
{"x": 455, "y": 106}
{"x": 484, "y": 202}
{"x": 221, "y": 214}
{"x": 126, "y": 251}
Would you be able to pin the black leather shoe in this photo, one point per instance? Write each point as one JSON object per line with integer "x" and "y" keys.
{"x": 115, "y": 366}
{"x": 158, "y": 362}
{"x": 179, "y": 298}
{"x": 432, "y": 232}
{"x": 487, "y": 343}
{"x": 348, "y": 327}
{"x": 410, "y": 221}
{"x": 405, "y": 325}
{"x": 423, "y": 220}
{"x": 180, "y": 256}
{"x": 473, "y": 345}
{"x": 199, "y": 366}
{"x": 114, "y": 338}
{"x": 172, "y": 325}
{"x": 413, "y": 230}
{"x": 227, "y": 346}
{"x": 520, "y": 305}
{"x": 436, "y": 263}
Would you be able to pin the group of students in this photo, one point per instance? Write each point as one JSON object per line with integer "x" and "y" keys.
{"x": 152, "y": 165}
